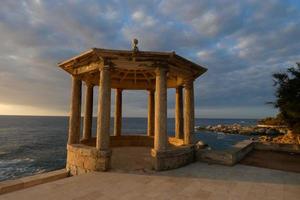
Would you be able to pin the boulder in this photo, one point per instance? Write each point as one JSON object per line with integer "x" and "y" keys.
{"x": 201, "y": 145}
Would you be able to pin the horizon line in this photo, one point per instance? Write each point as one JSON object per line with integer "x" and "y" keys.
{"x": 122, "y": 117}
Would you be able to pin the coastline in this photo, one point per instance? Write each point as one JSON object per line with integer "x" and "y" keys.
{"x": 251, "y": 130}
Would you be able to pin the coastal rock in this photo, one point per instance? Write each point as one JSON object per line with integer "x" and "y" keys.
{"x": 201, "y": 145}
{"x": 239, "y": 129}
{"x": 272, "y": 132}
{"x": 288, "y": 138}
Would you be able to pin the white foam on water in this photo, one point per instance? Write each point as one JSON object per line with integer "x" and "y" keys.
{"x": 4, "y": 163}
{"x": 12, "y": 168}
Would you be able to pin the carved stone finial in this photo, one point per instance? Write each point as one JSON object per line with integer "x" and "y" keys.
{"x": 134, "y": 45}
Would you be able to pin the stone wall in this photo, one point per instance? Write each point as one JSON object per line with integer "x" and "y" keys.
{"x": 83, "y": 159}
{"x": 132, "y": 141}
{"x": 125, "y": 140}
{"x": 30, "y": 181}
{"x": 291, "y": 148}
{"x": 173, "y": 158}
{"x": 225, "y": 157}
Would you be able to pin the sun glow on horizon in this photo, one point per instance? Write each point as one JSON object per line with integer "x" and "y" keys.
{"x": 13, "y": 109}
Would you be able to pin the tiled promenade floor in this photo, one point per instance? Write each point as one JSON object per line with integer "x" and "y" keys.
{"x": 196, "y": 181}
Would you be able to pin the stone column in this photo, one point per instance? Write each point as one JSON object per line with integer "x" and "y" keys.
{"x": 160, "y": 136}
{"x": 189, "y": 113}
{"x": 150, "y": 130}
{"x": 103, "y": 121}
{"x": 75, "y": 112}
{"x": 88, "y": 112}
{"x": 178, "y": 113}
{"x": 118, "y": 113}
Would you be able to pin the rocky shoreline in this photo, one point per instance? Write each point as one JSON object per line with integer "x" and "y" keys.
{"x": 251, "y": 130}
{"x": 260, "y": 133}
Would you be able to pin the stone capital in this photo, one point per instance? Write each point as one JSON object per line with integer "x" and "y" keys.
{"x": 161, "y": 70}
{"x": 76, "y": 77}
{"x": 188, "y": 83}
{"x": 105, "y": 68}
{"x": 88, "y": 84}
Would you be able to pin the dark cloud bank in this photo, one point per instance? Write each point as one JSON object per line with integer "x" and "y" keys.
{"x": 241, "y": 42}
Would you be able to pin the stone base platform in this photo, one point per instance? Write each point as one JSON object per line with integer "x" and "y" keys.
{"x": 83, "y": 158}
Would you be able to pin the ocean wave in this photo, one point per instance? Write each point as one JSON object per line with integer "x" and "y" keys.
{"x": 40, "y": 171}
{"x": 4, "y": 163}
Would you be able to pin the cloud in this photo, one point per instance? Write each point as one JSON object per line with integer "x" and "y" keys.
{"x": 241, "y": 43}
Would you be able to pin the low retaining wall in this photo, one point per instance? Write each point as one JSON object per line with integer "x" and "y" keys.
{"x": 26, "y": 182}
{"x": 125, "y": 140}
{"x": 131, "y": 140}
{"x": 291, "y": 148}
{"x": 173, "y": 158}
{"x": 240, "y": 150}
{"x": 83, "y": 159}
{"x": 225, "y": 157}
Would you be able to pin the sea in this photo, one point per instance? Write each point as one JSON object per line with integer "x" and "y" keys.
{"x": 35, "y": 144}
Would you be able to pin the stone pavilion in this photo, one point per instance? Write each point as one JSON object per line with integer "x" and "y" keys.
{"x": 130, "y": 70}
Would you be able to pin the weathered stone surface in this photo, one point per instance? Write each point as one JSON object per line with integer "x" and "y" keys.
{"x": 88, "y": 112}
{"x": 74, "y": 121}
{"x": 293, "y": 148}
{"x": 193, "y": 182}
{"x": 179, "y": 113}
{"x": 189, "y": 112}
{"x": 225, "y": 157}
{"x": 118, "y": 112}
{"x": 124, "y": 140}
{"x": 83, "y": 159}
{"x": 150, "y": 128}
{"x": 104, "y": 99}
{"x": 160, "y": 125}
{"x": 173, "y": 158}
{"x": 211, "y": 156}
{"x": 89, "y": 164}
{"x": 13, "y": 185}
{"x": 131, "y": 140}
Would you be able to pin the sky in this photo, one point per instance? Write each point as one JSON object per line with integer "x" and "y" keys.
{"x": 241, "y": 43}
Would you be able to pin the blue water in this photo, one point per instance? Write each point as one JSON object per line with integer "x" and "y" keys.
{"x": 30, "y": 145}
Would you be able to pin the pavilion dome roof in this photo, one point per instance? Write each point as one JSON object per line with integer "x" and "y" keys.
{"x": 132, "y": 69}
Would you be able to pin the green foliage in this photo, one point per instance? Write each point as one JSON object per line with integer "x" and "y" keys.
{"x": 288, "y": 96}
